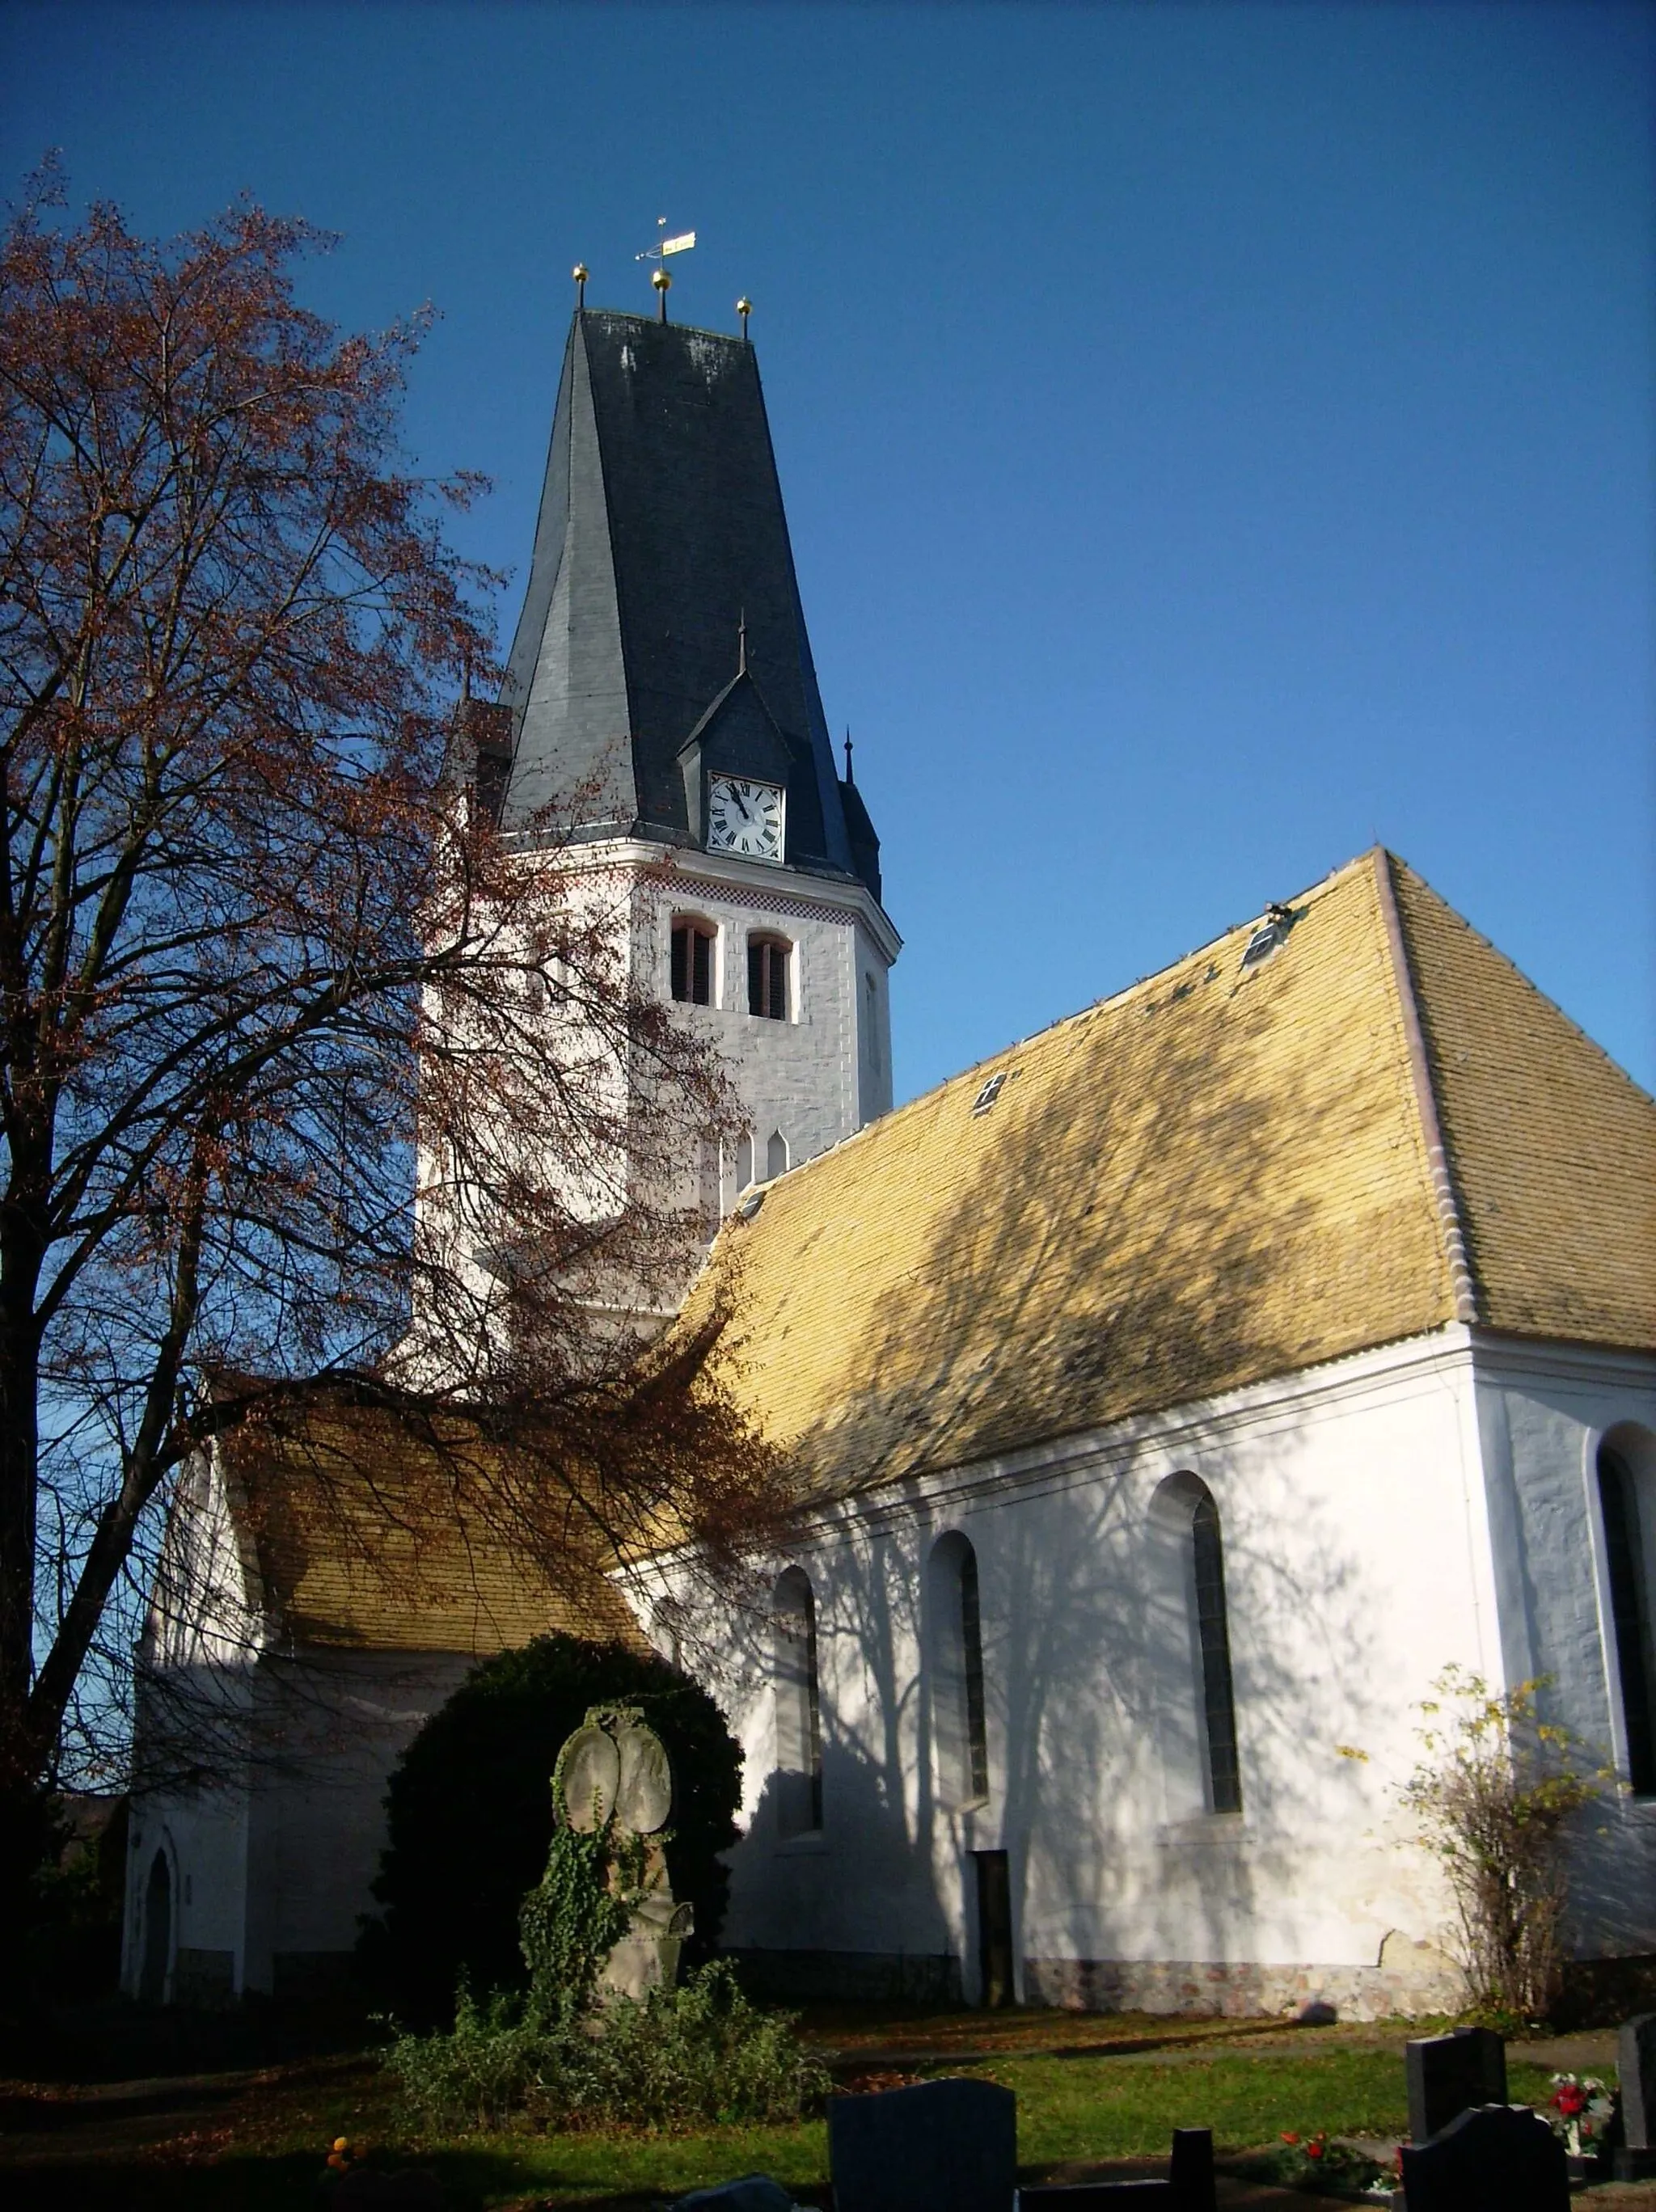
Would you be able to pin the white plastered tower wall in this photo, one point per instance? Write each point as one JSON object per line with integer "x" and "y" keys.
{"x": 1372, "y": 1539}
{"x": 811, "y": 1079}
{"x": 819, "y": 1075}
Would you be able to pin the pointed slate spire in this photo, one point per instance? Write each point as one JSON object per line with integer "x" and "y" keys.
{"x": 661, "y": 536}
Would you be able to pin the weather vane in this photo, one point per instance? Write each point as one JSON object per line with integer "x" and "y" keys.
{"x": 658, "y": 253}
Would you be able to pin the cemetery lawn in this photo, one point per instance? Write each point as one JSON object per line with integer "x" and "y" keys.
{"x": 1089, "y": 2089}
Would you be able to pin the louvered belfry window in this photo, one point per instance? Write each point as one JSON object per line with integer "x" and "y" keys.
{"x": 692, "y": 963}
{"x": 767, "y": 977}
{"x": 1630, "y": 1614}
{"x": 1219, "y": 1709}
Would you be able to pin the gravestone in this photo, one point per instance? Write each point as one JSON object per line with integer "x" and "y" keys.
{"x": 1501, "y": 2157}
{"x": 614, "y": 1776}
{"x": 1636, "y": 2155}
{"x": 1189, "y": 2186}
{"x": 1451, "y": 2073}
{"x": 940, "y": 2147}
{"x": 754, "y": 2192}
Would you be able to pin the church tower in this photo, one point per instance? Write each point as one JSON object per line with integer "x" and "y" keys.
{"x": 660, "y": 668}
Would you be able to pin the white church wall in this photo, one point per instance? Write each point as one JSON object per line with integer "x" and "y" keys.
{"x": 1543, "y": 1412}
{"x": 1356, "y": 1566}
{"x": 202, "y": 1838}
{"x": 193, "y": 1687}
{"x": 333, "y": 1726}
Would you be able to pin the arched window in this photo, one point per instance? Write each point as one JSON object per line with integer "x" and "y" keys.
{"x": 692, "y": 961}
{"x": 1214, "y": 1641}
{"x": 775, "y": 1156}
{"x": 958, "y": 1725}
{"x": 1627, "y": 1568}
{"x": 799, "y": 1718}
{"x": 1189, "y": 1653}
{"x": 743, "y": 1161}
{"x": 767, "y": 976}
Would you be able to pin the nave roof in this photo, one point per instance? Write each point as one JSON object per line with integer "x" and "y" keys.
{"x": 1321, "y": 1134}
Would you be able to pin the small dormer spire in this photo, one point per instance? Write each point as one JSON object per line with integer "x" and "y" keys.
{"x": 741, "y": 642}
{"x": 850, "y": 778}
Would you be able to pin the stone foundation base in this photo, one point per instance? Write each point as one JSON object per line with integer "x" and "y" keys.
{"x": 1237, "y": 1991}
{"x": 853, "y": 1976}
{"x": 206, "y": 1979}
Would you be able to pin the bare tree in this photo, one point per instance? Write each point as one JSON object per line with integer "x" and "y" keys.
{"x": 267, "y": 964}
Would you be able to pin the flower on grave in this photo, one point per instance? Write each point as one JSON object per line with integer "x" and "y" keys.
{"x": 1579, "y": 2109}
{"x": 1316, "y": 2147}
{"x": 340, "y": 2157}
{"x": 1288, "y": 2136}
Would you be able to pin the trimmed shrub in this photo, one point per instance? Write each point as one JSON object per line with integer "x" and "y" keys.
{"x": 469, "y": 1809}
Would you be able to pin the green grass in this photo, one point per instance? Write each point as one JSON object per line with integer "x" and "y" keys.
{"x": 257, "y": 2157}
{"x": 1083, "y": 2107}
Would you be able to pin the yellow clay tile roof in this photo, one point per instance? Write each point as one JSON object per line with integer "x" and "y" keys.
{"x": 367, "y": 1536}
{"x": 1221, "y": 1175}
{"x": 1552, "y": 1147}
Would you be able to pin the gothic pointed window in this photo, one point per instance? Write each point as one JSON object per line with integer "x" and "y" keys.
{"x": 692, "y": 961}
{"x": 775, "y": 1156}
{"x": 767, "y": 976}
{"x": 798, "y": 1710}
{"x": 1627, "y": 1572}
{"x": 1213, "y": 1645}
{"x": 958, "y": 1719}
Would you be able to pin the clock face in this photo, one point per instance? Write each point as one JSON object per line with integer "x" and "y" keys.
{"x": 744, "y": 817}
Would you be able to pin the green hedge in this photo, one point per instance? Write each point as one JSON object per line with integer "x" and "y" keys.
{"x": 470, "y": 1810}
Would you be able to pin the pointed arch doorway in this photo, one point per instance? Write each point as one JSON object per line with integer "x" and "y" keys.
{"x": 157, "y": 1932}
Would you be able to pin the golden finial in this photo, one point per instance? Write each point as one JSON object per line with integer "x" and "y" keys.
{"x": 663, "y": 284}
{"x": 579, "y": 272}
{"x": 744, "y": 309}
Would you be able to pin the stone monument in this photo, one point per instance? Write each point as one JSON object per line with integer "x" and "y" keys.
{"x": 612, "y": 1775}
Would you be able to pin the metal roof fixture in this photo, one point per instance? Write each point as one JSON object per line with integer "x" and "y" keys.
{"x": 991, "y": 1090}
{"x": 1270, "y": 933}
{"x": 750, "y": 1206}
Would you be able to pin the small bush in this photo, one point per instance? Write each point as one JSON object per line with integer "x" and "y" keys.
{"x": 1494, "y": 1797}
{"x": 694, "y": 2055}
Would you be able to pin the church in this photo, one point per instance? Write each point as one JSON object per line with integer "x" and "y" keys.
{"x": 1173, "y": 1397}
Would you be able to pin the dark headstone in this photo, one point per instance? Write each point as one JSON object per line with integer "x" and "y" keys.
{"x": 365, "y": 2189}
{"x": 1189, "y": 2186}
{"x": 1099, "y": 2197}
{"x": 1637, "y": 2063}
{"x": 1451, "y": 2073}
{"x": 1191, "y": 2169}
{"x": 1502, "y": 2158}
{"x": 1634, "y": 2154}
{"x": 940, "y": 2147}
{"x": 754, "y": 2192}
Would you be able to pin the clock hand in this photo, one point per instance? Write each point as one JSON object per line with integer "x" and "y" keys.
{"x": 737, "y": 796}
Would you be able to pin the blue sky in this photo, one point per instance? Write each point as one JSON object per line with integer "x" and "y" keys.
{"x": 1214, "y": 437}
